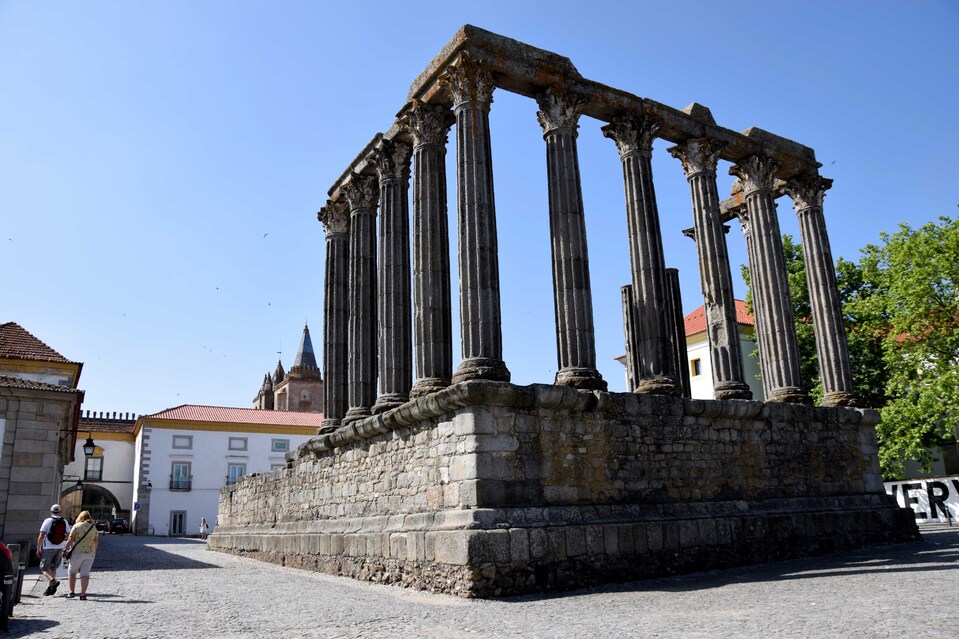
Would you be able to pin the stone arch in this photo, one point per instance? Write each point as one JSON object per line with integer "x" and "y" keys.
{"x": 95, "y": 498}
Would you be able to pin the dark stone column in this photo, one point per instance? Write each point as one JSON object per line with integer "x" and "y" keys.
{"x": 674, "y": 311}
{"x": 336, "y": 312}
{"x": 572, "y": 296}
{"x": 770, "y": 286}
{"x": 394, "y": 335}
{"x": 658, "y": 368}
{"x": 629, "y": 332}
{"x": 699, "y": 157}
{"x": 471, "y": 87}
{"x": 429, "y": 125}
{"x": 807, "y": 193}
{"x": 361, "y": 192}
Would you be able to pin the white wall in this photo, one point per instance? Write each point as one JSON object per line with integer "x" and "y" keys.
{"x": 701, "y": 386}
{"x": 930, "y": 498}
{"x": 118, "y": 458}
{"x": 209, "y": 458}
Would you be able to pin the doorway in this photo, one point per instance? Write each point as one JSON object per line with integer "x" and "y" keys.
{"x": 177, "y": 523}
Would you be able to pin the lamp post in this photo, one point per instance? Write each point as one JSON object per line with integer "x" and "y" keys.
{"x": 89, "y": 446}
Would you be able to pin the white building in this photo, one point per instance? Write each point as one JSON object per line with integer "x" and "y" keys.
{"x": 107, "y": 474}
{"x": 699, "y": 360}
{"x": 184, "y": 455}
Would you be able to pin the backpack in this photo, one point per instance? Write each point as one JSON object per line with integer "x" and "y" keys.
{"x": 58, "y": 531}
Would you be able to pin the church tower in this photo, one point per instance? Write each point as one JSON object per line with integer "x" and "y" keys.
{"x": 300, "y": 389}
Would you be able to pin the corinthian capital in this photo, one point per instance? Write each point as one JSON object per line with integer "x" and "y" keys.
{"x": 807, "y": 190}
{"x": 361, "y": 191}
{"x": 757, "y": 173}
{"x": 429, "y": 123}
{"x": 698, "y": 155}
{"x": 335, "y": 217}
{"x": 559, "y": 109}
{"x": 468, "y": 81}
{"x": 632, "y": 133}
{"x": 392, "y": 160}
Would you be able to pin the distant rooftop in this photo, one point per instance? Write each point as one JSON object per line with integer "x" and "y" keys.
{"x": 28, "y": 384}
{"x": 695, "y": 322}
{"x": 228, "y": 415}
{"x": 18, "y": 343}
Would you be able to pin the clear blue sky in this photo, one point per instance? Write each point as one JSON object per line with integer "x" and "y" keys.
{"x": 161, "y": 164}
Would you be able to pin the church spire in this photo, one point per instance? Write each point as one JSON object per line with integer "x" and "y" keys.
{"x": 304, "y": 356}
{"x": 279, "y": 373}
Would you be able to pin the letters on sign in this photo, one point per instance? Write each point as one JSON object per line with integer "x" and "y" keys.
{"x": 933, "y": 499}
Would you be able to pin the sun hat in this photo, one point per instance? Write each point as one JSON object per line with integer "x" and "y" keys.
{"x": 55, "y": 508}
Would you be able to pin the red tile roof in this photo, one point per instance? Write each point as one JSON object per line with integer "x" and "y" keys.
{"x": 224, "y": 414}
{"x": 29, "y": 384}
{"x": 17, "y": 343}
{"x": 695, "y": 322}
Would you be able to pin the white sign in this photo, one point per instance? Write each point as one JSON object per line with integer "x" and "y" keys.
{"x": 931, "y": 499}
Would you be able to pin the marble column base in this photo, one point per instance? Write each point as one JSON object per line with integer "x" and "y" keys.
{"x": 389, "y": 402}
{"x": 789, "y": 394}
{"x": 584, "y": 378}
{"x": 732, "y": 390}
{"x": 481, "y": 368}
{"x": 841, "y": 398}
{"x": 356, "y": 413}
{"x": 428, "y": 385}
{"x": 659, "y": 385}
{"x": 328, "y": 426}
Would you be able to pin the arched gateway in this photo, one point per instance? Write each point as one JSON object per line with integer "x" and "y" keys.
{"x": 457, "y": 480}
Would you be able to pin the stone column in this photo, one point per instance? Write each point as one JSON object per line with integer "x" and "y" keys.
{"x": 743, "y": 215}
{"x": 471, "y": 87}
{"x": 336, "y": 312}
{"x": 629, "y": 332}
{"x": 572, "y": 296}
{"x": 429, "y": 125}
{"x": 674, "y": 312}
{"x": 776, "y": 327}
{"x": 807, "y": 193}
{"x": 699, "y": 157}
{"x": 360, "y": 193}
{"x": 658, "y": 366}
{"x": 394, "y": 335}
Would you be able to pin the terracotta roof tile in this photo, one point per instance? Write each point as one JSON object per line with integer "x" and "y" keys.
{"x": 224, "y": 414}
{"x": 695, "y": 322}
{"x": 17, "y": 343}
{"x": 28, "y": 384}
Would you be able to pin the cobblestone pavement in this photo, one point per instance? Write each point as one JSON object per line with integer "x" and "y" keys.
{"x": 158, "y": 587}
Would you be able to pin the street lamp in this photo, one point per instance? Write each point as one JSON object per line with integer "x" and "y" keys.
{"x": 79, "y": 485}
{"x": 89, "y": 446}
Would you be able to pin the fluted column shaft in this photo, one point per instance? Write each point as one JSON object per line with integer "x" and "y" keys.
{"x": 394, "y": 334}
{"x": 674, "y": 312}
{"x": 699, "y": 157}
{"x": 480, "y": 323}
{"x": 658, "y": 371}
{"x": 336, "y": 313}
{"x": 807, "y": 193}
{"x": 629, "y": 331}
{"x": 432, "y": 307}
{"x": 361, "y": 192}
{"x": 572, "y": 295}
{"x": 776, "y": 325}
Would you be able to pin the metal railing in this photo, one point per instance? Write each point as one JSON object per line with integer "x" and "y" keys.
{"x": 181, "y": 483}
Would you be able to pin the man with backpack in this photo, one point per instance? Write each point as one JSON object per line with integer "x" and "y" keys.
{"x": 50, "y": 544}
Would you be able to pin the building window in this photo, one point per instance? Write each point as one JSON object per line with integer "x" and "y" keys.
{"x": 238, "y": 443}
{"x": 696, "y": 367}
{"x": 94, "y": 469}
{"x": 180, "y": 477}
{"x": 183, "y": 441}
{"x": 280, "y": 445}
{"x": 235, "y": 472}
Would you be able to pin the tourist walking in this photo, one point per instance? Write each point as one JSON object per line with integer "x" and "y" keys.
{"x": 203, "y": 527}
{"x": 81, "y": 550}
{"x": 50, "y": 544}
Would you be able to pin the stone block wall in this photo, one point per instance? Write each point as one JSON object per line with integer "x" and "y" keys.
{"x": 488, "y": 488}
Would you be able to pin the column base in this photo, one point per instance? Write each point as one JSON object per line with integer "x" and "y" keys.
{"x": 841, "y": 398}
{"x": 481, "y": 368}
{"x": 328, "y": 426}
{"x": 584, "y": 378}
{"x": 732, "y": 390}
{"x": 356, "y": 413}
{"x": 389, "y": 402}
{"x": 428, "y": 385}
{"x": 659, "y": 385}
{"x": 789, "y": 395}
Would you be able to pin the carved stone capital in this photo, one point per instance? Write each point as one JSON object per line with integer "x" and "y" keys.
{"x": 807, "y": 191}
{"x": 468, "y": 81}
{"x": 559, "y": 109}
{"x": 756, "y": 173}
{"x": 429, "y": 123}
{"x": 335, "y": 217}
{"x": 392, "y": 160}
{"x": 632, "y": 133}
{"x": 361, "y": 191}
{"x": 699, "y": 155}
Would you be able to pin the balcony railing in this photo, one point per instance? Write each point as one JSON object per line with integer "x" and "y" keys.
{"x": 181, "y": 483}
{"x": 93, "y": 475}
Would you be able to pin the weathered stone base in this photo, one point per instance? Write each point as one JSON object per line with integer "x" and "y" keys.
{"x": 526, "y": 550}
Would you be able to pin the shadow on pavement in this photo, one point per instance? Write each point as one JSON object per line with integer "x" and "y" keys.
{"x": 145, "y": 553}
